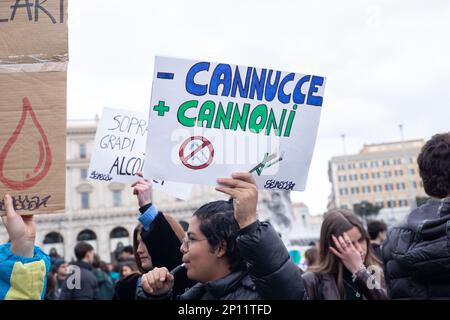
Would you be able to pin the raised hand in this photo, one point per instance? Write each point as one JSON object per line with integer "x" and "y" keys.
{"x": 142, "y": 189}
{"x": 242, "y": 188}
{"x": 347, "y": 253}
{"x": 159, "y": 281}
{"x": 21, "y": 230}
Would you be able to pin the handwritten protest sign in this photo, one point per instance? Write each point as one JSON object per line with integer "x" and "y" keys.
{"x": 119, "y": 151}
{"x": 33, "y": 64}
{"x": 212, "y": 119}
{"x": 33, "y": 31}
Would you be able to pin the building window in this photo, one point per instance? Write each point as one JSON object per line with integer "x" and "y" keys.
{"x": 354, "y": 190}
{"x": 400, "y": 186}
{"x": 351, "y": 166}
{"x": 362, "y": 165}
{"x": 83, "y": 173}
{"x": 386, "y": 162}
{"x": 397, "y": 161}
{"x": 402, "y": 203}
{"x": 82, "y": 150}
{"x": 377, "y": 188}
{"x": 414, "y": 185}
{"x": 387, "y": 174}
{"x": 85, "y": 200}
{"x": 374, "y": 164}
{"x": 117, "y": 198}
{"x": 389, "y": 187}
{"x": 398, "y": 173}
{"x": 366, "y": 189}
{"x": 364, "y": 176}
{"x": 391, "y": 204}
{"x": 411, "y": 171}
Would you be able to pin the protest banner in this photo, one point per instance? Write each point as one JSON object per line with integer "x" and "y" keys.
{"x": 211, "y": 119}
{"x": 119, "y": 151}
{"x": 33, "y": 75}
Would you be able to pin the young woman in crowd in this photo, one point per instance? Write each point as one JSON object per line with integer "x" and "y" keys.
{"x": 156, "y": 242}
{"x": 230, "y": 253}
{"x": 346, "y": 268}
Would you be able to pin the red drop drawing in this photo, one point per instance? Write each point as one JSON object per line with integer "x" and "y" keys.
{"x": 45, "y": 155}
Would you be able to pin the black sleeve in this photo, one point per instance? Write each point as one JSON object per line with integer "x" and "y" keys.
{"x": 144, "y": 208}
{"x": 269, "y": 263}
{"x": 162, "y": 243}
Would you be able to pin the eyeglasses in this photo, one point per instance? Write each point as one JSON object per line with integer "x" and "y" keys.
{"x": 186, "y": 242}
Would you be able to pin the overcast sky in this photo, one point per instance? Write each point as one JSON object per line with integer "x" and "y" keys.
{"x": 386, "y": 62}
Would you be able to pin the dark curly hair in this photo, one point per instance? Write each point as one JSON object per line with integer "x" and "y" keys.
{"x": 219, "y": 226}
{"x": 434, "y": 165}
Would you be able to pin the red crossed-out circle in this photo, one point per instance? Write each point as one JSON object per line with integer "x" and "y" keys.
{"x": 205, "y": 144}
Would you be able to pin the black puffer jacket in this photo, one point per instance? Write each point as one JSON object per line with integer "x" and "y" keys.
{"x": 268, "y": 263}
{"x": 235, "y": 286}
{"x": 417, "y": 255}
{"x": 270, "y": 273}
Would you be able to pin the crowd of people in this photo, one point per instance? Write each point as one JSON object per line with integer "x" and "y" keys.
{"x": 227, "y": 253}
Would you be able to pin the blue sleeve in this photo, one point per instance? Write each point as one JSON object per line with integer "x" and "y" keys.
{"x": 148, "y": 216}
{"x": 23, "y": 278}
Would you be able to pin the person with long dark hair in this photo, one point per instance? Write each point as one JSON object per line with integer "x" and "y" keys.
{"x": 230, "y": 253}
{"x": 347, "y": 269}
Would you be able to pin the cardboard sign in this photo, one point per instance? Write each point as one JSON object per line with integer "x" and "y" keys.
{"x": 33, "y": 31}
{"x": 119, "y": 151}
{"x": 33, "y": 65}
{"x": 211, "y": 119}
{"x": 33, "y": 140}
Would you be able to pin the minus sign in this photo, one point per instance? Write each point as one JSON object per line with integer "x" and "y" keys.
{"x": 165, "y": 75}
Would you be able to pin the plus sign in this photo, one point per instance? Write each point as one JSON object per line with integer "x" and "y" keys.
{"x": 161, "y": 108}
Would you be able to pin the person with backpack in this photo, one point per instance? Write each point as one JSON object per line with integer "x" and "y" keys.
{"x": 416, "y": 255}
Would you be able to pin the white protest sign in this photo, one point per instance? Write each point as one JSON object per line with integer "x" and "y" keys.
{"x": 212, "y": 119}
{"x": 119, "y": 151}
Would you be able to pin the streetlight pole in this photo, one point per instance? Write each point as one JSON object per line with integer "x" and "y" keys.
{"x": 410, "y": 180}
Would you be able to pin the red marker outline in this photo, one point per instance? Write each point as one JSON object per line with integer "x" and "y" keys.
{"x": 21, "y": 185}
{"x": 206, "y": 143}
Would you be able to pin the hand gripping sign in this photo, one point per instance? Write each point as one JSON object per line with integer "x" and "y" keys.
{"x": 212, "y": 119}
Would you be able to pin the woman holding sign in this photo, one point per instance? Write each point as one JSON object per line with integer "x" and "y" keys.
{"x": 230, "y": 253}
{"x": 156, "y": 243}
